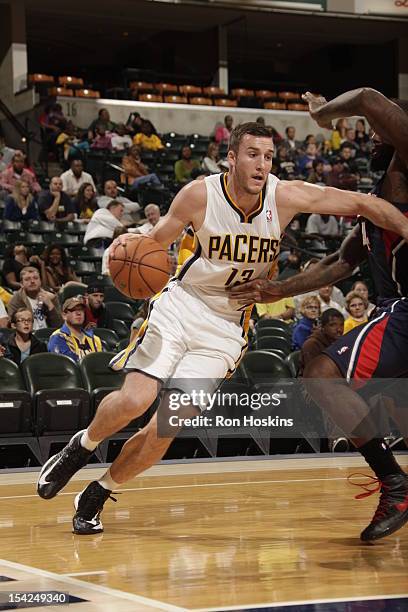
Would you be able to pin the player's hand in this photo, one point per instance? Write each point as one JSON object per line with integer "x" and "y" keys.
{"x": 315, "y": 104}
{"x": 260, "y": 291}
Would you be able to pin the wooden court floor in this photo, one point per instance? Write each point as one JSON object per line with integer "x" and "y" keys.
{"x": 204, "y": 536}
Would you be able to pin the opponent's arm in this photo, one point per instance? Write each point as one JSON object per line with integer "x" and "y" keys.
{"x": 327, "y": 271}
{"x": 386, "y": 118}
{"x": 294, "y": 197}
{"x": 187, "y": 207}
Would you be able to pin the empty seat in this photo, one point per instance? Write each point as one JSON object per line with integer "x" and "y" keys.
{"x": 266, "y": 94}
{"x": 120, "y": 328}
{"x": 98, "y": 377}
{"x": 85, "y": 253}
{"x": 275, "y": 105}
{"x": 60, "y": 91}
{"x": 41, "y": 227}
{"x": 289, "y": 96}
{"x": 225, "y": 102}
{"x": 108, "y": 336}
{"x": 44, "y": 333}
{"x": 263, "y": 367}
{"x": 149, "y": 97}
{"x": 87, "y": 93}
{"x": 296, "y": 106}
{"x": 214, "y": 91}
{"x": 167, "y": 88}
{"x": 63, "y": 239}
{"x": 293, "y": 361}
{"x": 62, "y": 406}
{"x": 173, "y": 99}
{"x": 114, "y": 295}
{"x": 190, "y": 90}
{"x": 121, "y": 310}
{"x": 205, "y": 101}
{"x": 273, "y": 342}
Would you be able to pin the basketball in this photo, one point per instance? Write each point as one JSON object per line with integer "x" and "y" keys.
{"x": 138, "y": 265}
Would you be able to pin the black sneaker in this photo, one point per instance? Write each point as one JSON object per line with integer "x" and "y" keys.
{"x": 88, "y": 506}
{"x": 60, "y": 468}
{"x": 392, "y": 510}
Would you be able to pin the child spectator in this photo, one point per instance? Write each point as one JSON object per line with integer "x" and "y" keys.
{"x": 356, "y": 306}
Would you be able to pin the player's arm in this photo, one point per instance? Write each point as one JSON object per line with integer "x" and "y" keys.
{"x": 386, "y": 118}
{"x": 187, "y": 207}
{"x": 295, "y": 197}
{"x": 328, "y": 271}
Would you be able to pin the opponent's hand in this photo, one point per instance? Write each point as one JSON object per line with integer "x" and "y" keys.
{"x": 315, "y": 104}
{"x": 260, "y": 291}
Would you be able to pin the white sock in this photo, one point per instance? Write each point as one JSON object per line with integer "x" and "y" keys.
{"x": 107, "y": 482}
{"x": 87, "y": 443}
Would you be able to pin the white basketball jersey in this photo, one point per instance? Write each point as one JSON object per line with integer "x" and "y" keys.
{"x": 231, "y": 247}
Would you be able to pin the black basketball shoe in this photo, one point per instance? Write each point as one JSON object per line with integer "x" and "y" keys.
{"x": 392, "y": 510}
{"x": 60, "y": 468}
{"x": 88, "y": 506}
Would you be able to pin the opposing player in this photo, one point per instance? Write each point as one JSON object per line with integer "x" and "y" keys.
{"x": 378, "y": 349}
{"x": 195, "y": 329}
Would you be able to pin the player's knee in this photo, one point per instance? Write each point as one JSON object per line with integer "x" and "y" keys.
{"x": 133, "y": 404}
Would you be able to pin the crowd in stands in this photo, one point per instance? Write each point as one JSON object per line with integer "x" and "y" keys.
{"x": 32, "y": 292}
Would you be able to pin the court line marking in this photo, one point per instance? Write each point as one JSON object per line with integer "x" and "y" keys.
{"x": 83, "y": 584}
{"x": 188, "y": 486}
{"x": 307, "y": 602}
{"x": 86, "y": 573}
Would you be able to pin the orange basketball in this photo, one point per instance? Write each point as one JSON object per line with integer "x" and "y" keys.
{"x": 138, "y": 265}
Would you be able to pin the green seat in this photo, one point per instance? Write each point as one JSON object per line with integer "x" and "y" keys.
{"x": 293, "y": 361}
{"x": 62, "y": 239}
{"x": 108, "y": 336}
{"x": 120, "y": 328}
{"x": 44, "y": 334}
{"x": 85, "y": 253}
{"x": 273, "y": 342}
{"x": 262, "y": 367}
{"x": 121, "y": 310}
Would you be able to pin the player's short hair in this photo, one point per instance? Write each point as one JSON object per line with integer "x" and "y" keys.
{"x": 252, "y": 128}
{"x": 329, "y": 314}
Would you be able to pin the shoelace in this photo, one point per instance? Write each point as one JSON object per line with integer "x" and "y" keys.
{"x": 383, "y": 503}
{"x": 93, "y": 504}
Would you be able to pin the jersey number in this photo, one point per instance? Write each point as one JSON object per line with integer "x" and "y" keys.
{"x": 244, "y": 276}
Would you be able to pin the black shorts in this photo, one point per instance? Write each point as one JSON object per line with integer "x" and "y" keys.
{"x": 377, "y": 349}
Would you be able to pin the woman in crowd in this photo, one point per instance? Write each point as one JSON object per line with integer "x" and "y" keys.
{"x": 85, "y": 203}
{"x": 22, "y": 343}
{"x": 17, "y": 258}
{"x": 56, "y": 271}
{"x": 310, "y": 311}
{"x": 20, "y": 205}
{"x": 185, "y": 165}
{"x": 339, "y": 134}
{"x": 146, "y": 138}
{"x": 102, "y": 119}
{"x": 361, "y": 288}
{"x": 361, "y": 134}
{"x": 356, "y": 306}
{"x": 211, "y": 162}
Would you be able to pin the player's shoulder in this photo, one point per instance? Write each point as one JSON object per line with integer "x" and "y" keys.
{"x": 194, "y": 192}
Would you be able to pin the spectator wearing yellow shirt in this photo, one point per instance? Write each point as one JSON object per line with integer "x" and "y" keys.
{"x": 184, "y": 166}
{"x": 146, "y": 138}
{"x": 356, "y": 306}
{"x": 282, "y": 309}
{"x": 85, "y": 203}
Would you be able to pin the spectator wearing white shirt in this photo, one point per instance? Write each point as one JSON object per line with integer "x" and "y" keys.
{"x": 322, "y": 225}
{"x": 121, "y": 140}
{"x": 152, "y": 214}
{"x": 99, "y": 232}
{"x": 73, "y": 178}
{"x": 111, "y": 192}
{"x": 326, "y": 299}
{"x": 105, "y": 257}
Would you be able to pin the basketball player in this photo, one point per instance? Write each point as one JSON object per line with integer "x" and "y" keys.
{"x": 195, "y": 329}
{"x": 378, "y": 349}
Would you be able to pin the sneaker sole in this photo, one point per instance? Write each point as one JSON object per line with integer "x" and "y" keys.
{"x": 91, "y": 531}
{"x": 46, "y": 468}
{"x": 403, "y": 521}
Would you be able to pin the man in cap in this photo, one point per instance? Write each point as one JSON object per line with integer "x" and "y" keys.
{"x": 96, "y": 313}
{"x": 72, "y": 339}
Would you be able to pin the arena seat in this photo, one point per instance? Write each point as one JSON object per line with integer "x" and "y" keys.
{"x": 149, "y": 97}
{"x": 114, "y": 295}
{"x": 62, "y": 406}
{"x": 190, "y": 90}
{"x": 121, "y": 310}
{"x": 87, "y": 93}
{"x": 167, "y": 88}
{"x": 60, "y": 91}
{"x": 108, "y": 336}
{"x": 293, "y": 361}
{"x": 275, "y": 105}
{"x": 215, "y": 92}
{"x": 174, "y": 99}
{"x": 273, "y": 342}
{"x": 227, "y": 102}
{"x": 42, "y": 227}
{"x": 296, "y": 106}
{"x": 200, "y": 100}
{"x": 275, "y": 324}
{"x": 70, "y": 81}
{"x": 85, "y": 253}
{"x": 83, "y": 269}
{"x": 121, "y": 329}
{"x": 44, "y": 333}
{"x": 16, "y": 416}
{"x": 261, "y": 367}
{"x": 124, "y": 343}
{"x": 266, "y": 94}
{"x": 63, "y": 239}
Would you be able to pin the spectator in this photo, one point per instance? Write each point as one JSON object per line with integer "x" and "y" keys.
{"x": 317, "y": 175}
{"x": 184, "y": 166}
{"x": 85, "y": 203}
{"x": 211, "y": 162}
{"x": 73, "y": 178}
{"x": 286, "y": 168}
{"x": 337, "y": 295}
{"x": 111, "y": 192}
{"x": 18, "y": 172}
{"x": 146, "y": 138}
{"x": 152, "y": 213}
{"x": 283, "y": 309}
{"x": 42, "y": 304}
{"x": 102, "y": 140}
{"x": 339, "y": 134}
{"x": 4, "y": 319}
{"x": 223, "y": 132}
{"x": 69, "y": 139}
{"x": 361, "y": 135}
{"x": 290, "y": 143}
{"x": 325, "y": 296}
{"x": 356, "y": 307}
{"x": 134, "y": 123}
{"x": 20, "y": 205}
{"x": 102, "y": 119}
{"x": 16, "y": 258}
{"x": 346, "y": 156}
{"x": 52, "y": 122}
{"x": 306, "y": 162}
{"x": 310, "y": 310}
{"x": 105, "y": 257}
{"x": 291, "y": 266}
{"x": 121, "y": 140}
{"x": 351, "y": 141}
{"x": 340, "y": 175}
{"x": 322, "y": 227}
{"x": 23, "y": 343}
{"x": 331, "y": 328}
{"x": 56, "y": 271}
{"x": 99, "y": 231}
{"x": 261, "y": 120}
{"x": 6, "y": 153}
{"x": 72, "y": 339}
{"x": 54, "y": 204}
{"x": 135, "y": 171}
{"x": 361, "y": 288}
{"x": 96, "y": 313}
